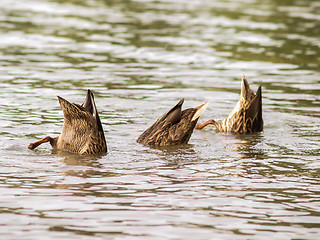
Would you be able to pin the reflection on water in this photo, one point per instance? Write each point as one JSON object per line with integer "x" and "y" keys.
{"x": 139, "y": 57}
{"x": 248, "y": 146}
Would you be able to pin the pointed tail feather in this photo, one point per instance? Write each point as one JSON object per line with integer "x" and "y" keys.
{"x": 88, "y": 102}
{"x": 199, "y": 111}
{"x": 254, "y": 112}
{"x": 70, "y": 110}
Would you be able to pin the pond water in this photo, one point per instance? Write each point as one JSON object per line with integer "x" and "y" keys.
{"x": 139, "y": 58}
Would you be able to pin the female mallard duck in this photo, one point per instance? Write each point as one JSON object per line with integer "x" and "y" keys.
{"x": 246, "y": 117}
{"x": 174, "y": 127}
{"x": 82, "y": 131}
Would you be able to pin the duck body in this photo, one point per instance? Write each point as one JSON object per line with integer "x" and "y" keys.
{"x": 175, "y": 127}
{"x": 246, "y": 117}
{"x": 82, "y": 131}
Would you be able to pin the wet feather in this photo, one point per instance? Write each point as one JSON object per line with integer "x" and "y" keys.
{"x": 172, "y": 128}
{"x": 246, "y": 117}
{"x": 82, "y": 130}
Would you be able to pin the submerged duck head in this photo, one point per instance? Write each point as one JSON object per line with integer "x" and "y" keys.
{"x": 174, "y": 127}
{"x": 82, "y": 131}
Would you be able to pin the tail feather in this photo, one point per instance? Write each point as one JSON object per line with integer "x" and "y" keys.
{"x": 254, "y": 111}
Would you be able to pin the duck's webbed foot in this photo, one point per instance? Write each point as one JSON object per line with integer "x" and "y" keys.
{"x": 43, "y": 140}
{"x": 202, "y": 125}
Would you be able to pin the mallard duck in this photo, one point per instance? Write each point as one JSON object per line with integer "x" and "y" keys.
{"x": 82, "y": 131}
{"x": 246, "y": 117}
{"x": 174, "y": 127}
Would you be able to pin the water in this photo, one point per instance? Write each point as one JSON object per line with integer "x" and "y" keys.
{"x": 139, "y": 58}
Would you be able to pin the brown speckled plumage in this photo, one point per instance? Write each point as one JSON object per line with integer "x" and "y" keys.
{"x": 82, "y": 131}
{"x": 172, "y": 128}
{"x": 246, "y": 117}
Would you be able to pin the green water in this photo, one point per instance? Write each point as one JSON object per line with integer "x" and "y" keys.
{"x": 139, "y": 58}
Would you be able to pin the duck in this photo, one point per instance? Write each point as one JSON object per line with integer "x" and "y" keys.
{"x": 174, "y": 127}
{"x": 246, "y": 117}
{"x": 82, "y": 131}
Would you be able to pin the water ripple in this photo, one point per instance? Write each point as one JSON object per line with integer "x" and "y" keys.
{"x": 140, "y": 58}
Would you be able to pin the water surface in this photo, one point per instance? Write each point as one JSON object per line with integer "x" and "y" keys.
{"x": 140, "y": 58}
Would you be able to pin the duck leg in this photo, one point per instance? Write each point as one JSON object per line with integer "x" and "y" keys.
{"x": 202, "y": 125}
{"x": 43, "y": 140}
